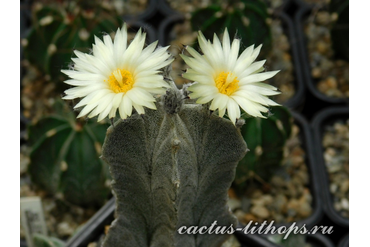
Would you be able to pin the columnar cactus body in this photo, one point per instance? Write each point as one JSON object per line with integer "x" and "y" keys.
{"x": 170, "y": 168}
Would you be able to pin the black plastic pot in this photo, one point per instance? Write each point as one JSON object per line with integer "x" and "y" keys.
{"x": 314, "y": 186}
{"x": 92, "y": 230}
{"x": 319, "y": 240}
{"x": 23, "y": 243}
{"x": 307, "y": 143}
{"x": 137, "y": 24}
{"x": 146, "y": 14}
{"x": 25, "y": 18}
{"x": 299, "y": 19}
{"x": 165, "y": 8}
{"x": 164, "y": 31}
{"x": 327, "y": 117}
{"x": 165, "y": 36}
{"x": 344, "y": 242}
{"x": 254, "y": 240}
{"x": 298, "y": 98}
{"x": 316, "y": 240}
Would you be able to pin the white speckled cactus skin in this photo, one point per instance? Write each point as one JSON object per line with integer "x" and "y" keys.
{"x": 171, "y": 167}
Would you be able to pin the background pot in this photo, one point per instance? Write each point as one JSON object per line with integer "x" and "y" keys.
{"x": 165, "y": 9}
{"x": 299, "y": 19}
{"x": 90, "y": 231}
{"x": 307, "y": 143}
{"x": 319, "y": 240}
{"x": 344, "y": 242}
{"x": 326, "y": 117}
{"x": 149, "y": 12}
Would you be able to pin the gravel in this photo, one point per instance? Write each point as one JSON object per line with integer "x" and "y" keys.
{"x": 336, "y": 155}
{"x": 331, "y": 75}
{"x": 285, "y": 198}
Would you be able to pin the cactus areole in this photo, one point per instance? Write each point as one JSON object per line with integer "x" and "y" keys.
{"x": 171, "y": 167}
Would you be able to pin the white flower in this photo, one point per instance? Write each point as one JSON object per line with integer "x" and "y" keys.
{"x": 117, "y": 76}
{"x": 227, "y": 80}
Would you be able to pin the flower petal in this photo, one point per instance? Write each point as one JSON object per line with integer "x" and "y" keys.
{"x": 258, "y": 77}
{"x": 250, "y": 107}
{"x": 245, "y": 71}
{"x": 126, "y": 105}
{"x": 234, "y": 52}
{"x": 219, "y": 101}
{"x": 226, "y": 44}
{"x": 233, "y": 110}
{"x": 120, "y": 44}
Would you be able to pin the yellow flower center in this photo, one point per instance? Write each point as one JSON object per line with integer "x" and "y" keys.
{"x": 121, "y": 81}
{"x": 227, "y": 83}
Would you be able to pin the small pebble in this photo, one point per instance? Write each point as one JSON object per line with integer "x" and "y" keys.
{"x": 336, "y": 156}
{"x": 331, "y": 74}
{"x": 260, "y": 212}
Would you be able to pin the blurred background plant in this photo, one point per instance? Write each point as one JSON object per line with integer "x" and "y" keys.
{"x": 63, "y": 168}
{"x": 266, "y": 139}
{"x": 246, "y": 19}
{"x": 59, "y": 28}
{"x": 64, "y": 157}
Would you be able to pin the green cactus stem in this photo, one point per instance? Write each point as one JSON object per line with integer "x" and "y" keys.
{"x": 59, "y": 29}
{"x": 65, "y": 158}
{"x": 266, "y": 146}
{"x": 171, "y": 167}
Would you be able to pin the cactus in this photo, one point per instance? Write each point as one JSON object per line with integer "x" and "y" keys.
{"x": 266, "y": 146}
{"x": 65, "y": 158}
{"x": 59, "y": 29}
{"x": 171, "y": 168}
{"x": 340, "y": 30}
{"x": 246, "y": 19}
